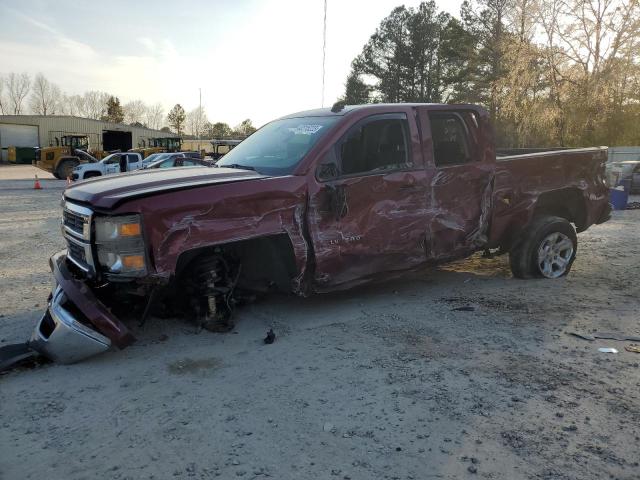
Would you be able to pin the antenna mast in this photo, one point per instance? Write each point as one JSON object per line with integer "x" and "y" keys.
{"x": 324, "y": 47}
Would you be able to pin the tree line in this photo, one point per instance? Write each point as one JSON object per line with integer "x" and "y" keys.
{"x": 20, "y": 94}
{"x": 550, "y": 72}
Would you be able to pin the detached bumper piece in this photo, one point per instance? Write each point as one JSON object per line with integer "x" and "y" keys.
{"x": 76, "y": 325}
{"x": 62, "y": 338}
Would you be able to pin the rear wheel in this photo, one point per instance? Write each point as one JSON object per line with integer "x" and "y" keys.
{"x": 65, "y": 168}
{"x": 546, "y": 249}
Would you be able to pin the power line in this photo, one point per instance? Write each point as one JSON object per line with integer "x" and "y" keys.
{"x": 324, "y": 47}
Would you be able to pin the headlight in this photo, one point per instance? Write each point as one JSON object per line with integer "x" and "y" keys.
{"x": 120, "y": 244}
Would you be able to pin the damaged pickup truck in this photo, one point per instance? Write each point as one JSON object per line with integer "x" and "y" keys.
{"x": 312, "y": 202}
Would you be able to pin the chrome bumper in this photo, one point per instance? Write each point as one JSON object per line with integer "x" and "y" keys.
{"x": 62, "y": 338}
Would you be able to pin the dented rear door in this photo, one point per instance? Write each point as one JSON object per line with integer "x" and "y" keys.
{"x": 370, "y": 218}
{"x": 460, "y": 162}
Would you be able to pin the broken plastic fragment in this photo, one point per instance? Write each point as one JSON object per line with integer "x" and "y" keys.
{"x": 607, "y": 350}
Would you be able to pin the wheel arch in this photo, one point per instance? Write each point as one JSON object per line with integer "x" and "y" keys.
{"x": 265, "y": 261}
{"x": 568, "y": 203}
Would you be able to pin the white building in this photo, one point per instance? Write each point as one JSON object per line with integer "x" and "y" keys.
{"x": 43, "y": 130}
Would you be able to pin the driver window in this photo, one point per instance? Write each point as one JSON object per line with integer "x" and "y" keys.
{"x": 377, "y": 145}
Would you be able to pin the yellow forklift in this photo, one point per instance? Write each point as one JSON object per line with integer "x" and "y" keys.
{"x": 69, "y": 151}
{"x": 159, "y": 145}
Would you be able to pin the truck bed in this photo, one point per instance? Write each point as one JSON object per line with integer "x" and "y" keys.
{"x": 523, "y": 183}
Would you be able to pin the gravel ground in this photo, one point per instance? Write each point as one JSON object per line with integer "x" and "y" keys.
{"x": 387, "y": 381}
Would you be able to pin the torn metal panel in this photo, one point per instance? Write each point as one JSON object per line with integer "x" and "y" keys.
{"x": 197, "y": 218}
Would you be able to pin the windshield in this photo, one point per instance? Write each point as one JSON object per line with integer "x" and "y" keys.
{"x": 154, "y": 157}
{"x": 113, "y": 158}
{"x": 279, "y": 146}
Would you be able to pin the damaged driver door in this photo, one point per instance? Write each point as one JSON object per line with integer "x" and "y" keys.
{"x": 366, "y": 212}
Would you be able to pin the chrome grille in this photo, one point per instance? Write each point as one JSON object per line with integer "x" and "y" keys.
{"x": 74, "y": 221}
{"x": 76, "y": 252}
{"x": 76, "y": 228}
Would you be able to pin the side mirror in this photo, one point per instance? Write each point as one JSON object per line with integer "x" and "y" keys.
{"x": 328, "y": 167}
{"x": 327, "y": 171}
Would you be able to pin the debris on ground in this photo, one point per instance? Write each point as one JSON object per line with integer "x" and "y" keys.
{"x": 15, "y": 354}
{"x": 270, "y": 338}
{"x": 633, "y": 348}
{"x": 617, "y": 336}
{"x": 583, "y": 336}
{"x": 607, "y": 350}
{"x": 621, "y": 337}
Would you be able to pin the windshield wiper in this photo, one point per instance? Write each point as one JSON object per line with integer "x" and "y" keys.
{"x": 238, "y": 166}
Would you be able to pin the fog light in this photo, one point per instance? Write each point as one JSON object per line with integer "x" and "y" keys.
{"x": 133, "y": 262}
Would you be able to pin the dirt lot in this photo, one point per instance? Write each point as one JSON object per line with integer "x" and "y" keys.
{"x": 382, "y": 382}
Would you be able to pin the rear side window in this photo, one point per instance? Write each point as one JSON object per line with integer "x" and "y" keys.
{"x": 450, "y": 143}
{"x": 378, "y": 144}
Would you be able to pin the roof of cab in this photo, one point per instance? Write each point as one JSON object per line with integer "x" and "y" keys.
{"x": 328, "y": 112}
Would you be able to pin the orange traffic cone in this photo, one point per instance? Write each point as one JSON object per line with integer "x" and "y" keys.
{"x": 37, "y": 186}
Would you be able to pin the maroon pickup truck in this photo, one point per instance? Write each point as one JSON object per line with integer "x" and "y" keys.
{"x": 312, "y": 202}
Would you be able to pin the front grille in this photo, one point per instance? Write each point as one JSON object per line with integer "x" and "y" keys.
{"x": 76, "y": 252}
{"x": 74, "y": 221}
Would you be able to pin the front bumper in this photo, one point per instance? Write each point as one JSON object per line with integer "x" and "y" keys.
{"x": 76, "y": 324}
{"x": 605, "y": 215}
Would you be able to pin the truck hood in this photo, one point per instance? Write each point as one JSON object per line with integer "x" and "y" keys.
{"x": 107, "y": 192}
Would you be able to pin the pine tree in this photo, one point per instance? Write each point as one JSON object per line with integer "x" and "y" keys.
{"x": 176, "y": 118}
{"x": 115, "y": 113}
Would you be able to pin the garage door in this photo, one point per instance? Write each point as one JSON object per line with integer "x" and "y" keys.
{"x": 17, "y": 136}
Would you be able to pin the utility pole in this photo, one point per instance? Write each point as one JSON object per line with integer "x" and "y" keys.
{"x": 199, "y": 114}
{"x": 324, "y": 47}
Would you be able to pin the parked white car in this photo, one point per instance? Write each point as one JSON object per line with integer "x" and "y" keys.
{"x": 112, "y": 164}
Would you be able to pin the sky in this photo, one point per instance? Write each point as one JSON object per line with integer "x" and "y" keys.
{"x": 252, "y": 59}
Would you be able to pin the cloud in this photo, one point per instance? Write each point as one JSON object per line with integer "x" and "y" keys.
{"x": 147, "y": 43}
{"x": 67, "y": 44}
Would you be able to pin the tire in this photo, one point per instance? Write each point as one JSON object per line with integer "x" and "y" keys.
{"x": 91, "y": 175}
{"x": 55, "y": 174}
{"x": 546, "y": 249}
{"x": 65, "y": 168}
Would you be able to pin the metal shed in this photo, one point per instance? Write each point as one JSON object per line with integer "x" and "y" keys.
{"x": 42, "y": 131}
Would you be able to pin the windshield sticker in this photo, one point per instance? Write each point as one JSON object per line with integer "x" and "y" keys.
{"x": 305, "y": 129}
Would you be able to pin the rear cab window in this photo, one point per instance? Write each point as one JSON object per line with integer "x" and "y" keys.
{"x": 450, "y": 140}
